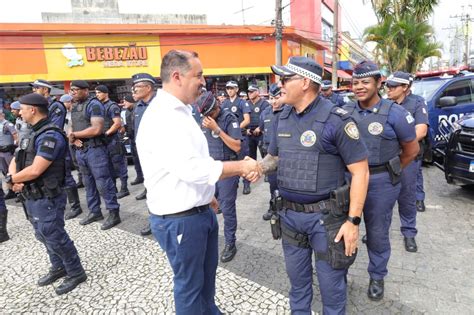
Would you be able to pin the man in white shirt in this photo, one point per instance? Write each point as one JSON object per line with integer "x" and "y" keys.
{"x": 180, "y": 177}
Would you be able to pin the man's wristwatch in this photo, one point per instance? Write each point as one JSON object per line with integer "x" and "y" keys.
{"x": 217, "y": 131}
{"x": 8, "y": 179}
{"x": 354, "y": 220}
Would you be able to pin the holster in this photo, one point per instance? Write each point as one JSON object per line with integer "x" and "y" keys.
{"x": 395, "y": 170}
{"x": 276, "y": 204}
{"x": 340, "y": 200}
{"x": 300, "y": 240}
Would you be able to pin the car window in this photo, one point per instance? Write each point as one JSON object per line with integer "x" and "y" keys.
{"x": 426, "y": 88}
{"x": 462, "y": 90}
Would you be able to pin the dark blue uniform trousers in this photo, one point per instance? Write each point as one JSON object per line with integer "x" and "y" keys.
{"x": 226, "y": 194}
{"x": 190, "y": 244}
{"x": 332, "y": 282}
{"x": 47, "y": 217}
{"x": 378, "y": 209}
{"x": 118, "y": 161}
{"x": 420, "y": 191}
{"x": 69, "y": 181}
{"x": 136, "y": 160}
{"x": 244, "y": 151}
{"x": 94, "y": 165}
{"x": 253, "y": 146}
{"x": 3, "y": 207}
{"x": 407, "y": 200}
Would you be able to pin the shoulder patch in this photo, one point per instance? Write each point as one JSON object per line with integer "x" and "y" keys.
{"x": 344, "y": 114}
{"x": 351, "y": 130}
{"x": 410, "y": 118}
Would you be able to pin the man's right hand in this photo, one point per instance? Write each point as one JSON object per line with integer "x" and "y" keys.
{"x": 251, "y": 169}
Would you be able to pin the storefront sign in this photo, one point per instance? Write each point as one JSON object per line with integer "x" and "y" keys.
{"x": 118, "y": 56}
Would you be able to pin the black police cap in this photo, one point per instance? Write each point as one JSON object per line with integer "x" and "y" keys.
{"x": 80, "y": 84}
{"x": 102, "y": 88}
{"x": 365, "y": 69}
{"x": 34, "y": 99}
{"x": 42, "y": 83}
{"x": 129, "y": 98}
{"x": 399, "y": 78}
{"x": 143, "y": 77}
{"x": 299, "y": 65}
{"x": 274, "y": 90}
{"x": 206, "y": 103}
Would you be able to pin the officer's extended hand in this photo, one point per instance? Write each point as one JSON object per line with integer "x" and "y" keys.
{"x": 18, "y": 187}
{"x": 350, "y": 233}
{"x": 71, "y": 137}
{"x": 78, "y": 143}
{"x": 209, "y": 123}
{"x": 252, "y": 170}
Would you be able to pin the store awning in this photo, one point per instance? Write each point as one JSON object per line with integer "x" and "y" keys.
{"x": 340, "y": 73}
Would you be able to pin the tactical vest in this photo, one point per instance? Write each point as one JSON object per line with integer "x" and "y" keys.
{"x": 6, "y": 138}
{"x": 108, "y": 122}
{"x": 79, "y": 118}
{"x": 218, "y": 150}
{"x": 57, "y": 108}
{"x": 233, "y": 107}
{"x": 372, "y": 128}
{"x": 304, "y": 167}
{"x": 269, "y": 116}
{"x": 255, "y": 114}
{"x": 54, "y": 175}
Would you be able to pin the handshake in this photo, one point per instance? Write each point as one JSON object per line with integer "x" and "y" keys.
{"x": 251, "y": 169}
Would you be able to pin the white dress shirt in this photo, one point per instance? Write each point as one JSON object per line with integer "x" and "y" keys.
{"x": 174, "y": 155}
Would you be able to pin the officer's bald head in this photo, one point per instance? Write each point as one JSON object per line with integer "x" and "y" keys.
{"x": 176, "y": 60}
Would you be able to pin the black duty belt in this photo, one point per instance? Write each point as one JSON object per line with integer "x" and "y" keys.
{"x": 186, "y": 213}
{"x": 307, "y": 208}
{"x": 377, "y": 169}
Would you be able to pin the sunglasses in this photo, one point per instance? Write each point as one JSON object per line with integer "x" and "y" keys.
{"x": 287, "y": 79}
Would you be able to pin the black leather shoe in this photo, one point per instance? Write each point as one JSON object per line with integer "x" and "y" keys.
{"x": 364, "y": 239}
{"x": 10, "y": 195}
{"x": 420, "y": 206}
{"x": 80, "y": 185}
{"x": 122, "y": 193}
{"x": 267, "y": 215}
{"x": 91, "y": 217}
{"x": 70, "y": 283}
{"x": 72, "y": 214}
{"x": 410, "y": 244}
{"x": 137, "y": 181}
{"x": 246, "y": 190}
{"x": 146, "y": 230}
{"x": 141, "y": 196}
{"x": 112, "y": 220}
{"x": 375, "y": 291}
{"x": 51, "y": 276}
{"x": 228, "y": 253}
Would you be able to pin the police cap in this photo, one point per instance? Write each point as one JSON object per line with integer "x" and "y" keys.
{"x": 243, "y": 93}
{"x": 34, "y": 99}
{"x": 80, "y": 84}
{"x": 41, "y": 83}
{"x": 252, "y": 88}
{"x": 15, "y": 105}
{"x": 399, "y": 78}
{"x": 221, "y": 93}
{"x": 129, "y": 98}
{"x": 232, "y": 84}
{"x": 206, "y": 103}
{"x": 143, "y": 77}
{"x": 365, "y": 69}
{"x": 102, "y": 88}
{"x": 326, "y": 85}
{"x": 65, "y": 98}
{"x": 274, "y": 90}
{"x": 302, "y": 66}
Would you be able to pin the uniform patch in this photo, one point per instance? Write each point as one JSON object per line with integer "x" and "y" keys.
{"x": 256, "y": 109}
{"x": 375, "y": 110}
{"x": 351, "y": 130}
{"x": 235, "y": 125}
{"x": 308, "y": 138}
{"x": 284, "y": 135}
{"x": 375, "y": 128}
{"x": 24, "y": 143}
{"x": 424, "y": 111}
{"x": 410, "y": 118}
{"x": 341, "y": 111}
{"x": 233, "y": 109}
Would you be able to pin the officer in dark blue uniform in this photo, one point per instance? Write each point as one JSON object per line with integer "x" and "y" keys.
{"x": 313, "y": 143}
{"x": 398, "y": 90}
{"x": 129, "y": 105}
{"x": 115, "y": 148}
{"x": 143, "y": 94}
{"x": 243, "y": 95}
{"x": 87, "y": 135}
{"x": 221, "y": 96}
{"x": 44, "y": 153}
{"x": 257, "y": 106}
{"x": 241, "y": 110}
{"x": 3, "y": 218}
{"x": 57, "y": 115}
{"x": 388, "y": 131}
{"x": 326, "y": 91}
{"x": 267, "y": 119}
{"x": 223, "y": 135}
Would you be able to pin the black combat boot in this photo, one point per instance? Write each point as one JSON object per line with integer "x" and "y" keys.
{"x": 146, "y": 230}
{"x": 228, "y": 253}
{"x": 141, "y": 196}
{"x": 91, "y": 217}
{"x": 375, "y": 291}
{"x": 112, "y": 220}
{"x": 73, "y": 197}
{"x": 3, "y": 227}
{"x": 70, "y": 283}
{"x": 80, "y": 184}
{"x": 51, "y": 276}
{"x": 123, "y": 190}
{"x": 137, "y": 181}
{"x": 10, "y": 195}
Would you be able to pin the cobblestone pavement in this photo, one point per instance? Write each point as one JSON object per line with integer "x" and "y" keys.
{"x": 129, "y": 273}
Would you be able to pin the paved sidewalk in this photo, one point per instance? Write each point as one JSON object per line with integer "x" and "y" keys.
{"x": 129, "y": 273}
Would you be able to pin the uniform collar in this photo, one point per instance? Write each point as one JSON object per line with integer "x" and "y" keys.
{"x": 40, "y": 124}
{"x": 373, "y": 109}
{"x": 309, "y": 107}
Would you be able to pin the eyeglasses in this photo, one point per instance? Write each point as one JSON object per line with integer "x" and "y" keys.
{"x": 286, "y": 79}
{"x": 74, "y": 90}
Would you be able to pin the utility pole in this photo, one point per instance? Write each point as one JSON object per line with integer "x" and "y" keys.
{"x": 278, "y": 32}
{"x": 335, "y": 39}
{"x": 466, "y": 18}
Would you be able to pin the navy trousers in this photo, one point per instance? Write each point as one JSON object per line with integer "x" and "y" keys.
{"x": 254, "y": 145}
{"x": 226, "y": 194}
{"x": 69, "y": 181}
{"x": 95, "y": 168}
{"x": 299, "y": 267}
{"x": 136, "y": 160}
{"x": 420, "y": 191}
{"x": 190, "y": 243}
{"x": 378, "y": 209}
{"x": 244, "y": 151}
{"x": 407, "y": 200}
{"x": 118, "y": 160}
{"x": 47, "y": 217}
{"x": 3, "y": 207}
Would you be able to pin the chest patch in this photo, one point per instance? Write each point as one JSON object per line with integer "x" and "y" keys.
{"x": 308, "y": 138}
{"x": 256, "y": 109}
{"x": 375, "y": 128}
{"x": 233, "y": 109}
